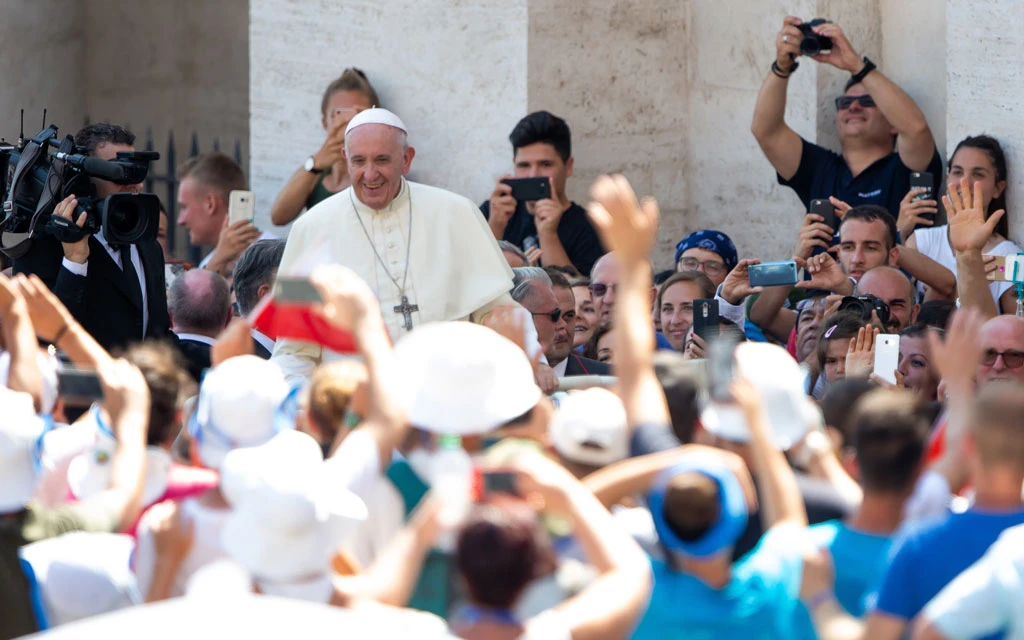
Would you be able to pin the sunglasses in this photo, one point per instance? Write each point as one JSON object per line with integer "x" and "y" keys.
{"x": 598, "y": 289}
{"x": 554, "y": 315}
{"x": 845, "y": 102}
{"x": 1012, "y": 359}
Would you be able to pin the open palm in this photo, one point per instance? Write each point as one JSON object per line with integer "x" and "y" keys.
{"x": 627, "y": 227}
{"x": 968, "y": 228}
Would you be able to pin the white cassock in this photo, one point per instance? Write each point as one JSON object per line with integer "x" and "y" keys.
{"x": 455, "y": 269}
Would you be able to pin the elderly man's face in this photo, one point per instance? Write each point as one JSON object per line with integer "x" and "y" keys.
{"x": 377, "y": 160}
{"x": 565, "y": 328}
{"x": 603, "y": 281}
{"x": 894, "y": 289}
{"x": 1002, "y": 343}
{"x": 543, "y": 305}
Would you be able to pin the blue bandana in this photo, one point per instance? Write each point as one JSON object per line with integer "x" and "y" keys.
{"x": 710, "y": 240}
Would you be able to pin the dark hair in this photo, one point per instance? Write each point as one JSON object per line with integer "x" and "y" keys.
{"x": 870, "y": 213}
{"x": 93, "y": 135}
{"x": 840, "y": 326}
{"x": 707, "y": 288}
{"x": 581, "y": 281}
{"x": 542, "y": 126}
{"x": 936, "y": 313}
{"x": 169, "y": 384}
{"x": 890, "y": 431}
{"x": 558, "y": 277}
{"x": 995, "y": 154}
{"x": 202, "y": 308}
{"x": 501, "y": 548}
{"x": 682, "y": 392}
{"x": 257, "y": 266}
{"x": 916, "y": 330}
{"x": 838, "y": 401}
{"x": 691, "y": 505}
{"x": 566, "y": 270}
{"x": 590, "y": 348}
{"x": 215, "y": 170}
{"x": 351, "y": 79}
{"x": 662, "y": 276}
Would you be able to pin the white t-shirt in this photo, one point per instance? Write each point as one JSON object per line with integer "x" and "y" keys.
{"x": 355, "y": 465}
{"x": 934, "y": 243}
{"x": 385, "y": 518}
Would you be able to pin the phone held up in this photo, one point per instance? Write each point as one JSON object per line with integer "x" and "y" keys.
{"x": 705, "y": 319}
{"x": 824, "y": 209}
{"x": 773, "y": 274}
{"x": 529, "y": 189}
{"x": 922, "y": 180}
{"x": 241, "y": 206}
{"x": 887, "y": 356}
{"x": 721, "y": 363}
{"x": 79, "y": 387}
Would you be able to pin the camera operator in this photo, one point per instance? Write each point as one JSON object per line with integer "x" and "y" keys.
{"x": 871, "y": 111}
{"x": 116, "y": 292}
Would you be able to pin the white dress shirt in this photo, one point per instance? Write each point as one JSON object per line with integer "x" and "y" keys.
{"x": 115, "y": 255}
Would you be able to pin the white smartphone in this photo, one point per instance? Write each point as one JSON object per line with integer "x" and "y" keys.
{"x": 240, "y": 206}
{"x": 887, "y": 356}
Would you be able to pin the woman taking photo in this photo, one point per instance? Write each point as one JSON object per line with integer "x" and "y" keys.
{"x": 325, "y": 173}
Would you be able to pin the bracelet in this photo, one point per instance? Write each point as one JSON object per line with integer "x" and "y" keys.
{"x": 60, "y": 334}
{"x": 858, "y": 77}
{"x": 777, "y": 70}
{"x": 818, "y": 599}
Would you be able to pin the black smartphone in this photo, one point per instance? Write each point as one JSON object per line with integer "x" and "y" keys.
{"x": 705, "y": 319}
{"x": 79, "y": 386}
{"x": 529, "y": 189}
{"x": 500, "y": 482}
{"x": 824, "y": 209}
{"x": 721, "y": 367}
{"x": 773, "y": 274}
{"x": 922, "y": 180}
{"x": 296, "y": 290}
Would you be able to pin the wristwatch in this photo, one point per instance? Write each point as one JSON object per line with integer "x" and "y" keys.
{"x": 310, "y": 166}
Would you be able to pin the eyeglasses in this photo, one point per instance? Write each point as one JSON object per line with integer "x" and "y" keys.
{"x": 711, "y": 267}
{"x": 1012, "y": 359}
{"x": 599, "y": 289}
{"x": 845, "y": 102}
{"x": 554, "y": 315}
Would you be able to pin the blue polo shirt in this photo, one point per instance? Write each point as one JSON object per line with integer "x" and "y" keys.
{"x": 928, "y": 557}
{"x": 823, "y": 173}
{"x": 760, "y": 603}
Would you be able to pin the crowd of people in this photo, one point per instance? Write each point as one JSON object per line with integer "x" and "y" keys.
{"x": 538, "y": 432}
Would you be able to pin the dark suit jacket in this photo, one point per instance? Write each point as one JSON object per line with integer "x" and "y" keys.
{"x": 102, "y": 300}
{"x": 580, "y": 366}
{"x": 197, "y": 356}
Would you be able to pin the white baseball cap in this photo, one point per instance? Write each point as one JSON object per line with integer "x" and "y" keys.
{"x": 21, "y": 433}
{"x": 463, "y": 378}
{"x": 780, "y": 380}
{"x": 236, "y": 406}
{"x": 590, "y": 428}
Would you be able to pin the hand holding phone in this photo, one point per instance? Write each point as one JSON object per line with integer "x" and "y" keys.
{"x": 500, "y": 482}
{"x": 241, "y": 206}
{"x": 887, "y": 356}
{"x": 824, "y": 209}
{"x": 529, "y": 189}
{"x": 773, "y": 274}
{"x": 706, "y": 319}
{"x": 79, "y": 387}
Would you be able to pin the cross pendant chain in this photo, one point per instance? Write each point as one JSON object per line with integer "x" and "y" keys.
{"x": 406, "y": 310}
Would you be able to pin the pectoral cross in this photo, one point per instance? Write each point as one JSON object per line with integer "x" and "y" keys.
{"x": 406, "y": 310}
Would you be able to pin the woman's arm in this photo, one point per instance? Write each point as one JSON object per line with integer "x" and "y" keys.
{"x": 291, "y": 200}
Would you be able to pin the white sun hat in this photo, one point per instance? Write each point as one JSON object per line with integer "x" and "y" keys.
{"x": 463, "y": 378}
{"x": 590, "y": 428}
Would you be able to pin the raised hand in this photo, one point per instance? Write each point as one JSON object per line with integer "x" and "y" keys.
{"x": 333, "y": 148}
{"x": 813, "y": 233}
{"x": 825, "y": 274}
{"x": 627, "y": 227}
{"x": 860, "y": 358}
{"x": 533, "y": 256}
{"x": 49, "y": 315}
{"x": 348, "y": 301}
{"x": 842, "y": 56}
{"x": 957, "y": 356}
{"x": 547, "y": 215}
{"x": 912, "y": 212}
{"x": 968, "y": 228}
{"x": 503, "y": 205}
{"x": 840, "y": 207}
{"x": 736, "y": 286}
{"x": 787, "y": 42}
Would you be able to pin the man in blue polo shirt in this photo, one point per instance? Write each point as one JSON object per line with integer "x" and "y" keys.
{"x": 871, "y": 112}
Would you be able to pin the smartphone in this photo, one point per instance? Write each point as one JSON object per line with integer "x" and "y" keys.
{"x": 1007, "y": 268}
{"x": 500, "y": 482}
{"x": 241, "y": 206}
{"x": 922, "y": 179}
{"x": 887, "y": 356}
{"x": 721, "y": 367}
{"x": 773, "y": 274}
{"x": 79, "y": 387}
{"x": 529, "y": 189}
{"x": 824, "y": 209}
{"x": 295, "y": 290}
{"x": 705, "y": 319}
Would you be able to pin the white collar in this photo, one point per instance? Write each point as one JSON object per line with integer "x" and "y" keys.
{"x": 562, "y": 366}
{"x": 263, "y": 339}
{"x": 197, "y": 338}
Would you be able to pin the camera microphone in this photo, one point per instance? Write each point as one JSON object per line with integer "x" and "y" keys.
{"x": 93, "y": 166}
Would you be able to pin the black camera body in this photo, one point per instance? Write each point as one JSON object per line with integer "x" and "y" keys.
{"x": 34, "y": 181}
{"x": 863, "y": 305}
{"x": 812, "y": 44}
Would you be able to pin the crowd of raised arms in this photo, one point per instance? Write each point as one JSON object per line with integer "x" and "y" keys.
{"x": 418, "y": 415}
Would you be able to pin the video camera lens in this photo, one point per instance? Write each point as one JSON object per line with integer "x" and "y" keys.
{"x": 863, "y": 305}
{"x": 812, "y": 44}
{"x": 130, "y": 218}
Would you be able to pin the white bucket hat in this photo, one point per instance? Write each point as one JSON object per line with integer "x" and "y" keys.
{"x": 780, "y": 380}
{"x": 463, "y": 378}
{"x": 236, "y": 406}
{"x": 590, "y": 428}
{"x": 21, "y": 443}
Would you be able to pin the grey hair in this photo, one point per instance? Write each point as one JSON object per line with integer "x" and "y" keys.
{"x": 505, "y": 245}
{"x": 523, "y": 279}
{"x": 257, "y": 266}
{"x": 196, "y": 307}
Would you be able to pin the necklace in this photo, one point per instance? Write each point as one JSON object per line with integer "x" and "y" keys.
{"x": 405, "y": 308}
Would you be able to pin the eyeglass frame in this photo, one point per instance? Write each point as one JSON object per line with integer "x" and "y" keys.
{"x": 996, "y": 355}
{"x": 717, "y": 265}
{"x": 865, "y": 101}
{"x": 554, "y": 315}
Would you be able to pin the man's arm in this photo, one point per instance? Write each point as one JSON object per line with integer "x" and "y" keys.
{"x": 939, "y": 278}
{"x": 54, "y": 323}
{"x": 20, "y": 340}
{"x": 780, "y": 144}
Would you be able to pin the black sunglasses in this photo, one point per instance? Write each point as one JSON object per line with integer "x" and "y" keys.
{"x": 1012, "y": 359}
{"x": 598, "y": 289}
{"x": 555, "y": 315}
{"x": 845, "y": 102}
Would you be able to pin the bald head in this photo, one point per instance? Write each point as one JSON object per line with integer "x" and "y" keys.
{"x": 199, "y": 302}
{"x": 1002, "y": 338}
{"x": 894, "y": 288}
{"x": 604, "y": 276}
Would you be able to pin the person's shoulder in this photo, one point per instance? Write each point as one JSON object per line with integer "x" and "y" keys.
{"x": 323, "y": 210}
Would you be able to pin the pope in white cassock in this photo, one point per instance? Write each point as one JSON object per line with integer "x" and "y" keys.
{"x": 426, "y": 252}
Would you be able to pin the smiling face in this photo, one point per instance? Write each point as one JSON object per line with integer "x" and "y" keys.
{"x": 976, "y": 165}
{"x": 603, "y": 279}
{"x": 677, "y": 311}
{"x": 894, "y": 289}
{"x": 377, "y": 159}
{"x": 914, "y": 363}
{"x": 586, "y": 317}
{"x": 859, "y": 123}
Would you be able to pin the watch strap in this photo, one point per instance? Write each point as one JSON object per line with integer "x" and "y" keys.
{"x": 860, "y": 75}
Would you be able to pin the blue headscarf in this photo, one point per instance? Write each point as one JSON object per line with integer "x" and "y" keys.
{"x": 710, "y": 240}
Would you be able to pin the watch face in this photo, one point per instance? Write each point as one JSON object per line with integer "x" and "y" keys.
{"x": 309, "y": 163}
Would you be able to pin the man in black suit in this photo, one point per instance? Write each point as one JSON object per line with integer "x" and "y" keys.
{"x": 253, "y": 278}
{"x": 200, "y": 307}
{"x": 117, "y": 293}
